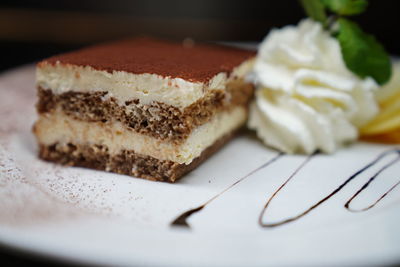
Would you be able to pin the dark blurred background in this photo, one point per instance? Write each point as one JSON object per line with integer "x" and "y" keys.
{"x": 31, "y": 30}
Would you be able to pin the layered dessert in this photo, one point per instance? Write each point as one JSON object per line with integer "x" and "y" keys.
{"x": 143, "y": 107}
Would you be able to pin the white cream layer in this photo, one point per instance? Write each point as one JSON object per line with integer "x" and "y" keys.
{"x": 58, "y": 127}
{"x": 126, "y": 86}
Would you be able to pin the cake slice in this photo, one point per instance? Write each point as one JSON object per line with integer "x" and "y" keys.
{"x": 143, "y": 107}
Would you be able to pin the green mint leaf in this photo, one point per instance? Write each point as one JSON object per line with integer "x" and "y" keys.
{"x": 315, "y": 10}
{"x": 362, "y": 53}
{"x": 346, "y": 7}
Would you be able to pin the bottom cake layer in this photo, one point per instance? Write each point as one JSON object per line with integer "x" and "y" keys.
{"x": 57, "y": 127}
{"x": 126, "y": 162}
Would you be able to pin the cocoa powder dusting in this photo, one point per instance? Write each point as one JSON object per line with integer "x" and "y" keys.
{"x": 196, "y": 63}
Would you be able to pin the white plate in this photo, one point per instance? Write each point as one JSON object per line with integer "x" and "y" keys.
{"x": 97, "y": 217}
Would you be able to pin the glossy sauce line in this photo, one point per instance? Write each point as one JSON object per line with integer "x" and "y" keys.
{"x": 340, "y": 187}
{"x": 347, "y": 205}
{"x": 181, "y": 220}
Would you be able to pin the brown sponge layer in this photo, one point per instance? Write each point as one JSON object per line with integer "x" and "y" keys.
{"x": 157, "y": 119}
{"x": 126, "y": 162}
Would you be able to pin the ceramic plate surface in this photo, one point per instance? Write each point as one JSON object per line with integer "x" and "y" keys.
{"x": 97, "y": 217}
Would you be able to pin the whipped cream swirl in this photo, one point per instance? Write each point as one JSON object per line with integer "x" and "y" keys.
{"x": 306, "y": 98}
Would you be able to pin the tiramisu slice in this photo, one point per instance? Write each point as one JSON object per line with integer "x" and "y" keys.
{"x": 143, "y": 107}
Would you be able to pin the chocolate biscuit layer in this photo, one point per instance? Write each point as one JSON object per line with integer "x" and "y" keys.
{"x": 126, "y": 162}
{"x": 196, "y": 62}
{"x": 157, "y": 119}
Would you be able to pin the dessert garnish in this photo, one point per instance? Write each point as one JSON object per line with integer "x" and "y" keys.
{"x": 316, "y": 81}
{"x": 361, "y": 52}
{"x": 385, "y": 127}
{"x": 373, "y": 169}
{"x": 347, "y": 205}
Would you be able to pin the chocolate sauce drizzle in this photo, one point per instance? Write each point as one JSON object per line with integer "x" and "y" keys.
{"x": 181, "y": 220}
{"x": 279, "y": 189}
{"x": 373, "y": 177}
{"x": 340, "y": 187}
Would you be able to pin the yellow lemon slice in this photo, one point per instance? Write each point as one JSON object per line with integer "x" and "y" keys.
{"x": 387, "y": 123}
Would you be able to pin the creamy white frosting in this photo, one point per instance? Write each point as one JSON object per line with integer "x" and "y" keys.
{"x": 306, "y": 98}
{"x": 124, "y": 86}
